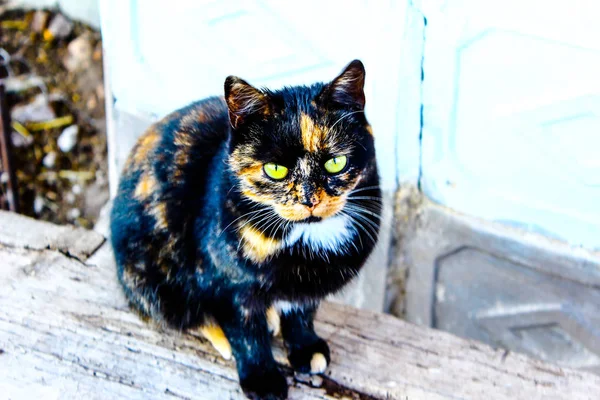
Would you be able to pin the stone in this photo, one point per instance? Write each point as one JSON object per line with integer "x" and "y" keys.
{"x": 68, "y": 138}
{"x": 79, "y": 53}
{"x": 60, "y": 27}
{"x": 40, "y": 20}
{"x": 19, "y": 140}
{"x": 38, "y": 204}
{"x": 38, "y": 110}
{"x": 49, "y": 160}
{"x": 74, "y": 213}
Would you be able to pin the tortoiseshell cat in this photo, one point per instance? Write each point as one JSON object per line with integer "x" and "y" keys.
{"x": 235, "y": 214}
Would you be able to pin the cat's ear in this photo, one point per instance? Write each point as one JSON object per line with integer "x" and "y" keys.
{"x": 244, "y": 101}
{"x": 347, "y": 90}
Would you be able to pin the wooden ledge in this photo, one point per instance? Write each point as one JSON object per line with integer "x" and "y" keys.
{"x": 67, "y": 333}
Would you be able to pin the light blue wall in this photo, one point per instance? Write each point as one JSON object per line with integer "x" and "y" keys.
{"x": 512, "y": 113}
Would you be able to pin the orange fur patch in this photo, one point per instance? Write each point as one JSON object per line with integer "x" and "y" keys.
{"x": 241, "y": 156}
{"x": 328, "y": 205}
{"x": 313, "y": 136}
{"x": 217, "y": 338}
{"x": 273, "y": 321}
{"x": 182, "y": 157}
{"x": 146, "y": 143}
{"x": 183, "y": 139}
{"x": 292, "y": 212}
{"x": 159, "y": 212}
{"x": 146, "y": 186}
{"x": 257, "y": 197}
{"x": 194, "y": 116}
{"x": 252, "y": 171}
{"x": 257, "y": 246}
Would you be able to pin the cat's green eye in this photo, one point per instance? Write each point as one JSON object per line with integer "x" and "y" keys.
{"x": 336, "y": 164}
{"x": 275, "y": 171}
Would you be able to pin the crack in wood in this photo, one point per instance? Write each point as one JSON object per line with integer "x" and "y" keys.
{"x": 172, "y": 393}
{"x": 336, "y": 390}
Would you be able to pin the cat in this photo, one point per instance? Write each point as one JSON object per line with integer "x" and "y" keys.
{"x": 237, "y": 215}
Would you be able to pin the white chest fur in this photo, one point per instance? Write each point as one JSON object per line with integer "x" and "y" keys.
{"x": 332, "y": 234}
{"x": 285, "y": 307}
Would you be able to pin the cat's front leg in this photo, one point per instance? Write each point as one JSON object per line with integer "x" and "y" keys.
{"x": 307, "y": 352}
{"x": 250, "y": 340}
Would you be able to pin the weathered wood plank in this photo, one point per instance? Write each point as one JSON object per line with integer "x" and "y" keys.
{"x": 20, "y": 231}
{"x": 66, "y": 332}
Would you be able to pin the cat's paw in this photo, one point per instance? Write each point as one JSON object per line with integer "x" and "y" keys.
{"x": 264, "y": 384}
{"x": 310, "y": 359}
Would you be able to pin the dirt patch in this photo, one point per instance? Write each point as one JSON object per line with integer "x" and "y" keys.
{"x": 52, "y": 70}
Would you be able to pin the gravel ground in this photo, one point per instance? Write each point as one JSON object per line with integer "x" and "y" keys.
{"x": 52, "y": 68}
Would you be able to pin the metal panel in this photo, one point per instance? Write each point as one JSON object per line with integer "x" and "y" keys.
{"x": 512, "y": 114}
{"x": 515, "y": 306}
{"x": 503, "y": 286}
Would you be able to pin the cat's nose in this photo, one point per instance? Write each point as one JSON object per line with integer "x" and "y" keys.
{"x": 310, "y": 203}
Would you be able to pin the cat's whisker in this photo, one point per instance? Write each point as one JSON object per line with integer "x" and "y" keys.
{"x": 376, "y": 225}
{"x": 254, "y": 218}
{"x": 375, "y": 211}
{"x": 264, "y": 219}
{"x": 363, "y": 209}
{"x": 370, "y": 223}
{"x": 368, "y": 204}
{"x": 365, "y": 198}
{"x": 371, "y": 207}
{"x": 237, "y": 219}
{"x": 284, "y": 225}
{"x": 251, "y": 202}
{"x": 229, "y": 191}
{"x": 272, "y": 224}
{"x": 269, "y": 222}
{"x": 362, "y": 189}
{"x": 366, "y": 209}
{"x": 362, "y": 246}
{"x": 356, "y": 247}
{"x": 357, "y": 193}
{"x": 364, "y": 215}
{"x": 367, "y": 231}
{"x": 345, "y": 116}
{"x": 281, "y": 226}
{"x": 368, "y": 187}
{"x": 353, "y": 191}
{"x": 268, "y": 213}
{"x": 361, "y": 226}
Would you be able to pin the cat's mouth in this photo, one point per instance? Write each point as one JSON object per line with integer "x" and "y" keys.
{"x": 311, "y": 219}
